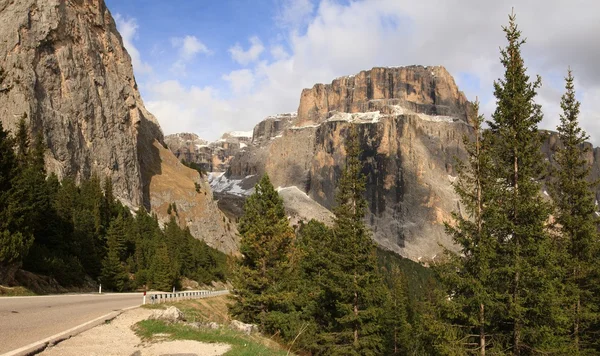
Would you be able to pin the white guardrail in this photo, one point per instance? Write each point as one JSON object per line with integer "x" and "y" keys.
{"x": 178, "y": 296}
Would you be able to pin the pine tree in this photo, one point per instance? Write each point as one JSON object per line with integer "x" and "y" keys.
{"x": 517, "y": 214}
{"x": 353, "y": 285}
{"x": 469, "y": 277}
{"x": 114, "y": 276}
{"x": 266, "y": 245}
{"x": 576, "y": 216}
{"x": 13, "y": 244}
{"x": 164, "y": 276}
{"x": 396, "y": 309}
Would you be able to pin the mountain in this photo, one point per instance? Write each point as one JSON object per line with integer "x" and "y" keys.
{"x": 209, "y": 156}
{"x": 411, "y": 121}
{"x": 67, "y": 72}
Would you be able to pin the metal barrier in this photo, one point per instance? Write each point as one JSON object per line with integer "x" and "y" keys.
{"x": 179, "y": 296}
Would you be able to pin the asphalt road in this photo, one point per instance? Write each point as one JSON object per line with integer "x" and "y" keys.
{"x": 25, "y": 320}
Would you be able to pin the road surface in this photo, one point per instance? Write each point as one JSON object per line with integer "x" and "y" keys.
{"x": 25, "y": 320}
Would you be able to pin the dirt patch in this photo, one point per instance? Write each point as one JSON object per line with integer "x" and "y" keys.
{"x": 118, "y": 338}
{"x": 185, "y": 347}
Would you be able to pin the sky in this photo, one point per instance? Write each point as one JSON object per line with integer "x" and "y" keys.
{"x": 210, "y": 67}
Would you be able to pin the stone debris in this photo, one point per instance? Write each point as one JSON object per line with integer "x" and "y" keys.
{"x": 171, "y": 314}
{"x": 243, "y": 327}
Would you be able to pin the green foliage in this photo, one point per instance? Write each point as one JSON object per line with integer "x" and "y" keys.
{"x": 260, "y": 277}
{"x": 527, "y": 272}
{"x": 114, "y": 276}
{"x": 577, "y": 221}
{"x": 352, "y": 291}
{"x": 76, "y": 233}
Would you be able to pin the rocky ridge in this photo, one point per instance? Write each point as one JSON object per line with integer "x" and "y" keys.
{"x": 68, "y": 73}
{"x": 210, "y": 156}
{"x": 411, "y": 121}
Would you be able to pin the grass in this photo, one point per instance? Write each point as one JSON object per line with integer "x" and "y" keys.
{"x": 207, "y": 310}
{"x": 241, "y": 345}
{"x": 15, "y": 291}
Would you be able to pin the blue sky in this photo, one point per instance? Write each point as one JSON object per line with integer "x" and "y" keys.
{"x": 214, "y": 66}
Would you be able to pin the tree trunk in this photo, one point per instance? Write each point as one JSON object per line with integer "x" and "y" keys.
{"x": 577, "y": 319}
{"x": 481, "y": 330}
{"x": 355, "y": 312}
{"x": 517, "y": 321}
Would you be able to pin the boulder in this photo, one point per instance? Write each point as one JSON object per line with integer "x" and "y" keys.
{"x": 243, "y": 327}
{"x": 171, "y": 314}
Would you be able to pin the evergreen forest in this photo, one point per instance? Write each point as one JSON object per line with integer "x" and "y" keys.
{"x": 525, "y": 280}
{"x": 81, "y": 235}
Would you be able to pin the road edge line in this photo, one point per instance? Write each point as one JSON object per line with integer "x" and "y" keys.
{"x": 39, "y": 346}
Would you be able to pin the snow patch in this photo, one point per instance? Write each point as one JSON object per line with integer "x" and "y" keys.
{"x": 452, "y": 179}
{"x": 247, "y": 134}
{"x": 242, "y": 145}
{"x": 360, "y": 117}
{"x": 221, "y": 184}
{"x": 436, "y": 118}
{"x": 292, "y": 188}
{"x": 303, "y": 127}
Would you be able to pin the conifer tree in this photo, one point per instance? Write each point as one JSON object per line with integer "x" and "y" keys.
{"x": 469, "y": 277}
{"x": 114, "y": 275}
{"x": 164, "y": 276}
{"x": 396, "y": 313}
{"x": 260, "y": 278}
{"x": 576, "y": 216}
{"x": 13, "y": 243}
{"x": 517, "y": 215}
{"x": 353, "y": 284}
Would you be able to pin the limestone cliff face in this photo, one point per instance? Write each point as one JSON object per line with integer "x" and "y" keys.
{"x": 210, "y": 156}
{"x": 411, "y": 122}
{"x": 427, "y": 90}
{"x": 67, "y": 72}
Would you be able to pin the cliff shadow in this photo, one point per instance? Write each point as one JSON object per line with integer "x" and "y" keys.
{"x": 148, "y": 156}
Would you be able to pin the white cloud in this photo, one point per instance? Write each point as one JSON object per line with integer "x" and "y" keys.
{"x": 189, "y": 47}
{"x": 252, "y": 54}
{"x": 128, "y": 28}
{"x": 293, "y": 14}
{"x": 240, "y": 80}
{"x": 279, "y": 53}
{"x": 344, "y": 38}
{"x": 181, "y": 109}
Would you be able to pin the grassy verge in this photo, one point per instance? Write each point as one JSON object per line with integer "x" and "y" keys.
{"x": 207, "y": 310}
{"x": 14, "y": 291}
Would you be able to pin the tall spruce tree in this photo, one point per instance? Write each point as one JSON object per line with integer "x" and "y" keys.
{"x": 353, "y": 285}
{"x": 260, "y": 278}
{"x": 576, "y": 216}
{"x": 469, "y": 277}
{"x": 517, "y": 214}
{"x": 114, "y": 276}
{"x": 13, "y": 243}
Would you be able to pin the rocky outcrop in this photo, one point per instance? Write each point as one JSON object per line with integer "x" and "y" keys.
{"x": 427, "y": 90}
{"x": 211, "y": 157}
{"x": 411, "y": 122}
{"x": 68, "y": 74}
{"x": 272, "y": 126}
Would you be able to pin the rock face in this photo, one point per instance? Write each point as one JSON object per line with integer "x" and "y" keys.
{"x": 171, "y": 315}
{"x": 68, "y": 74}
{"x": 211, "y": 157}
{"x": 411, "y": 122}
{"x": 427, "y": 90}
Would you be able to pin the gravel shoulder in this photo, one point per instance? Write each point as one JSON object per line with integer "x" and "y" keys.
{"x": 118, "y": 338}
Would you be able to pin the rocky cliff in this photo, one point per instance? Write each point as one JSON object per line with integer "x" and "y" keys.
{"x": 68, "y": 74}
{"x": 411, "y": 122}
{"x": 210, "y": 156}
